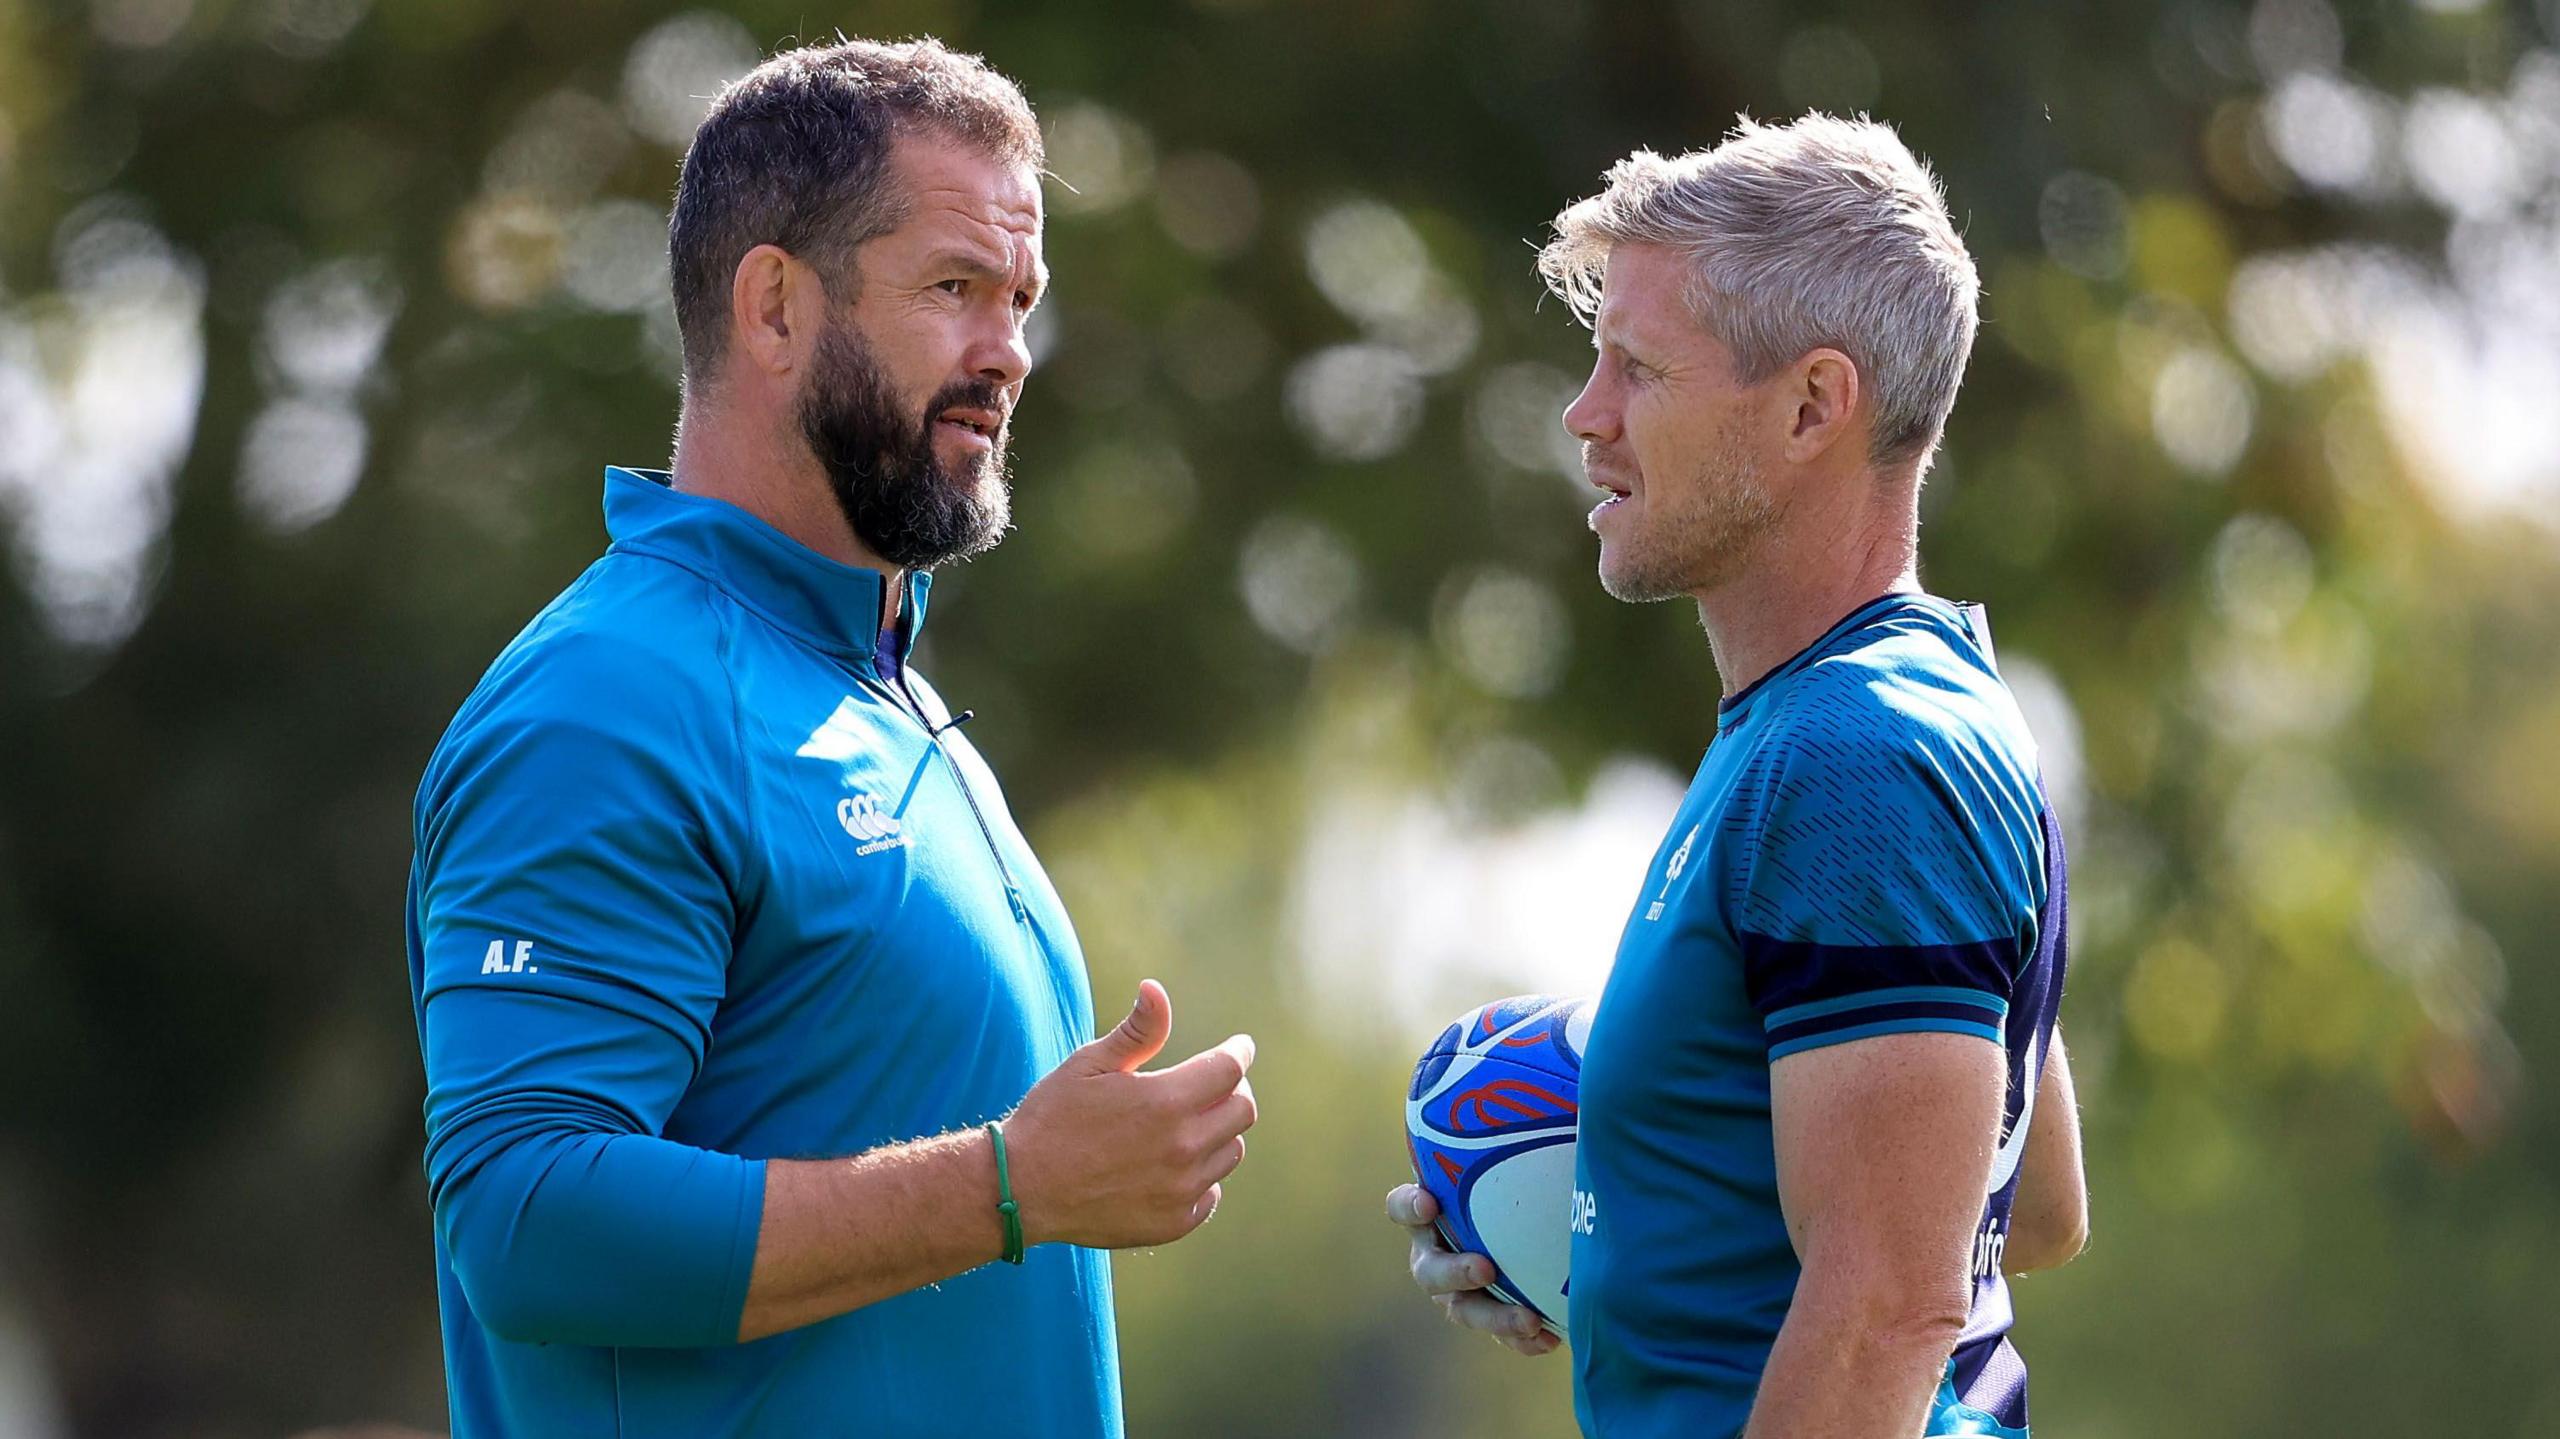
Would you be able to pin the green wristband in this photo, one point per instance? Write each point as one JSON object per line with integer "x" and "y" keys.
{"x": 1005, "y": 1204}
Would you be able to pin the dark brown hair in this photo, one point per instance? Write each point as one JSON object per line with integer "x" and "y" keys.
{"x": 796, "y": 153}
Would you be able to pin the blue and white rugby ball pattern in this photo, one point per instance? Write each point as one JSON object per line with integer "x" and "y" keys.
{"x": 1491, "y": 1120}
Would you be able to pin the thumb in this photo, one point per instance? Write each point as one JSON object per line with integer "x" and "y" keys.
{"x": 1139, "y": 1037}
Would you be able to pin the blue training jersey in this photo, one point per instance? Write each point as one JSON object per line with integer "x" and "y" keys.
{"x": 698, "y": 885}
{"x": 1866, "y": 850}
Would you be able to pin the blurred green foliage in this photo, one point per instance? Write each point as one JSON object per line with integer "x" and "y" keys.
{"x": 318, "y": 319}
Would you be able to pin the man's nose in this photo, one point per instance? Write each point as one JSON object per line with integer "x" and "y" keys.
{"x": 1004, "y": 355}
{"x": 1593, "y": 415}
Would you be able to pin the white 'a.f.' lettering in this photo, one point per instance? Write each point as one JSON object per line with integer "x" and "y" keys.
{"x": 497, "y": 962}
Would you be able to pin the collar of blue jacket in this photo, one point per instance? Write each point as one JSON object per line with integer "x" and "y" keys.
{"x": 836, "y": 607}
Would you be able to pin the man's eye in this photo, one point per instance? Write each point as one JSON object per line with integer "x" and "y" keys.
{"x": 953, "y": 287}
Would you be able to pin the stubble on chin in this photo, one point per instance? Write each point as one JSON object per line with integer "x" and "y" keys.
{"x": 1701, "y": 544}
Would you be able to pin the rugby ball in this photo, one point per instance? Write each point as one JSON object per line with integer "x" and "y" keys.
{"x": 1490, "y": 1121}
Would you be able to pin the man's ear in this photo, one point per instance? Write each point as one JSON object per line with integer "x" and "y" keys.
{"x": 776, "y": 310}
{"x": 1823, "y": 388}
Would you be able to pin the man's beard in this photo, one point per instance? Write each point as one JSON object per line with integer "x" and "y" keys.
{"x": 1706, "y": 543}
{"x": 904, "y": 505}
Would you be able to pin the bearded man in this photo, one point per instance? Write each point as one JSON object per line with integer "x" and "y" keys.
{"x": 1825, "y": 1111}
{"x": 754, "y": 1034}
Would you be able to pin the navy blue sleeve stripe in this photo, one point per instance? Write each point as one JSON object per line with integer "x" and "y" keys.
{"x": 1978, "y": 1015}
{"x": 1916, "y": 993}
{"x": 1784, "y": 975}
{"x": 1890, "y": 1026}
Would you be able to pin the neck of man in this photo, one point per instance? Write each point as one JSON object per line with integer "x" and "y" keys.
{"x": 761, "y": 464}
{"x": 1821, "y": 561}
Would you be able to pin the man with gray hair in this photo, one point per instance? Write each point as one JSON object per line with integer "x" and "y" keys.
{"x": 754, "y": 1036}
{"x": 1825, "y": 1110}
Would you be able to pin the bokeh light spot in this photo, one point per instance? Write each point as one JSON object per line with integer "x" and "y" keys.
{"x": 678, "y": 67}
{"x": 1300, "y": 581}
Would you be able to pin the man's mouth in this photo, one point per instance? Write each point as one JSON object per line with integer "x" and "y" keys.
{"x": 981, "y": 426}
{"x": 1613, "y": 494}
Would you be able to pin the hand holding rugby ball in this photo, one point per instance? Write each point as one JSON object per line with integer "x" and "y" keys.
{"x": 1491, "y": 1120}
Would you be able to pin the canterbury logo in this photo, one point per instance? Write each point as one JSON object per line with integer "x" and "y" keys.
{"x": 841, "y": 740}
{"x": 864, "y": 819}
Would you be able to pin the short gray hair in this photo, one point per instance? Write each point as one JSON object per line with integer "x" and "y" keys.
{"x": 1823, "y": 232}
